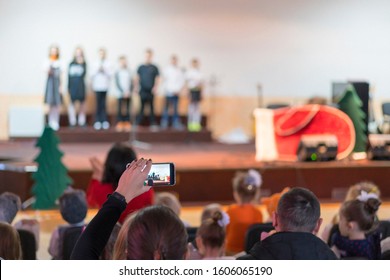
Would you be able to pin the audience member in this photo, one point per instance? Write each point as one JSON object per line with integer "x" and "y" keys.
{"x": 123, "y": 90}
{"x": 209, "y": 210}
{"x": 101, "y": 76}
{"x": 154, "y": 233}
{"x": 10, "y": 247}
{"x": 174, "y": 81}
{"x": 195, "y": 85}
{"x": 210, "y": 237}
{"x": 73, "y": 208}
{"x": 147, "y": 82}
{"x": 53, "y": 93}
{"x": 10, "y": 204}
{"x": 105, "y": 180}
{"x": 76, "y": 87}
{"x": 357, "y": 218}
{"x": 353, "y": 192}
{"x": 296, "y": 221}
{"x": 171, "y": 201}
{"x": 246, "y": 189}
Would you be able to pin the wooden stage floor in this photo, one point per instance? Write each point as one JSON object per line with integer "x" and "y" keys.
{"x": 205, "y": 170}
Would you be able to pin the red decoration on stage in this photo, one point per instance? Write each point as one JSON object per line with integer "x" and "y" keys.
{"x": 293, "y": 122}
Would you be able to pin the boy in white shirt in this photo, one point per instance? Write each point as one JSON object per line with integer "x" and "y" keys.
{"x": 123, "y": 86}
{"x": 101, "y": 76}
{"x": 194, "y": 79}
{"x": 174, "y": 81}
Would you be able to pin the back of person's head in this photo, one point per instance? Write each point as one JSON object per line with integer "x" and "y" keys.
{"x": 10, "y": 204}
{"x": 169, "y": 200}
{"x": 119, "y": 155}
{"x": 73, "y": 206}
{"x": 209, "y": 210}
{"x": 298, "y": 211}
{"x": 247, "y": 185}
{"x": 355, "y": 190}
{"x": 10, "y": 248}
{"x": 156, "y": 232}
{"x": 212, "y": 230}
{"x": 362, "y": 210}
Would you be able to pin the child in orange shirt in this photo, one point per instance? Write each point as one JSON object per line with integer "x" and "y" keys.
{"x": 246, "y": 190}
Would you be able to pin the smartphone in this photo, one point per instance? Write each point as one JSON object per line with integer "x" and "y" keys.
{"x": 161, "y": 175}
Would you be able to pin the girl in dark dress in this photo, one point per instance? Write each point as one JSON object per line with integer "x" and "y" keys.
{"x": 76, "y": 87}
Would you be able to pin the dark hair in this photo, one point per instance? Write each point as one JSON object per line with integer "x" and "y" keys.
{"x": 363, "y": 213}
{"x": 149, "y": 50}
{"x": 298, "y": 210}
{"x": 10, "y": 248}
{"x": 212, "y": 234}
{"x": 117, "y": 158}
{"x": 246, "y": 189}
{"x": 156, "y": 229}
{"x": 10, "y": 204}
{"x": 73, "y": 206}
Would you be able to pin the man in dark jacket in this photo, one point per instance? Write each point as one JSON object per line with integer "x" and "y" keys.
{"x": 296, "y": 222}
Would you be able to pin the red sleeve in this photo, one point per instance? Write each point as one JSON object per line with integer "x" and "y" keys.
{"x": 97, "y": 193}
{"x": 141, "y": 201}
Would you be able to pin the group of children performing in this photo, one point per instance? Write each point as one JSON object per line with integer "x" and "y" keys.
{"x": 146, "y": 82}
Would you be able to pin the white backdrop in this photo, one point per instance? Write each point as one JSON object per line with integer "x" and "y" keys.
{"x": 293, "y": 48}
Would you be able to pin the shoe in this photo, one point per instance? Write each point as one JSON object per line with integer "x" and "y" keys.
{"x": 119, "y": 126}
{"x": 97, "y": 125}
{"x": 197, "y": 127}
{"x": 191, "y": 127}
{"x": 106, "y": 125}
{"x": 127, "y": 126}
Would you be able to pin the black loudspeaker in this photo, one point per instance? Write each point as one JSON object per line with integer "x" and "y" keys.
{"x": 379, "y": 147}
{"x": 317, "y": 148}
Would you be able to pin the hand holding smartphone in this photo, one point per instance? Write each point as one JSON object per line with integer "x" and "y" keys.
{"x": 162, "y": 175}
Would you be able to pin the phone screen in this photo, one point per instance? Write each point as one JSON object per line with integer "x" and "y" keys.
{"x": 161, "y": 174}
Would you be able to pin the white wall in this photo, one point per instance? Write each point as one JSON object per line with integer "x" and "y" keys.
{"x": 293, "y": 48}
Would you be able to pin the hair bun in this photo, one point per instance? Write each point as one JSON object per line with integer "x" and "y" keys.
{"x": 217, "y": 216}
{"x": 372, "y": 205}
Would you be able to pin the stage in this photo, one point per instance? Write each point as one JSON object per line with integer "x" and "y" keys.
{"x": 204, "y": 169}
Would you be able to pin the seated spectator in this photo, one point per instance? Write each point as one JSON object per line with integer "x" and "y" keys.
{"x": 209, "y": 210}
{"x": 352, "y": 194}
{"x": 155, "y": 232}
{"x": 10, "y": 204}
{"x": 296, "y": 221}
{"x": 246, "y": 189}
{"x": 73, "y": 208}
{"x": 357, "y": 218}
{"x": 210, "y": 237}
{"x": 105, "y": 180}
{"x": 171, "y": 201}
{"x": 10, "y": 248}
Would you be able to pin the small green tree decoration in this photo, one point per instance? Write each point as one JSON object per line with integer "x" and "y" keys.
{"x": 351, "y": 104}
{"x": 51, "y": 178}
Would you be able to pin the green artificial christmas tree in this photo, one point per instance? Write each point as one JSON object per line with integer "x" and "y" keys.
{"x": 351, "y": 104}
{"x": 51, "y": 178}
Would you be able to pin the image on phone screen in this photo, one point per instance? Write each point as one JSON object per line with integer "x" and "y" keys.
{"x": 161, "y": 174}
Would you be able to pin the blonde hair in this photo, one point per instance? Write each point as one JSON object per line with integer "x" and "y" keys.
{"x": 355, "y": 190}
{"x": 120, "y": 247}
{"x": 209, "y": 210}
{"x": 169, "y": 200}
{"x": 247, "y": 185}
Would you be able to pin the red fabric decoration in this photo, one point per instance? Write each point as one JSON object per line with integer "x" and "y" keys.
{"x": 291, "y": 123}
